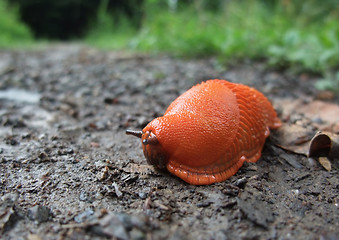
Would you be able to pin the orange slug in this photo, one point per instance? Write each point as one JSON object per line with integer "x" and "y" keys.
{"x": 208, "y": 132}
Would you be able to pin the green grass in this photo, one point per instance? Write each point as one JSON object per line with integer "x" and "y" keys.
{"x": 300, "y": 35}
{"x": 13, "y": 33}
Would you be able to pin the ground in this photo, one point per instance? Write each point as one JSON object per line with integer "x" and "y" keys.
{"x": 68, "y": 171}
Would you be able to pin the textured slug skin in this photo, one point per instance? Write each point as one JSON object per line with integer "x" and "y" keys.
{"x": 209, "y": 131}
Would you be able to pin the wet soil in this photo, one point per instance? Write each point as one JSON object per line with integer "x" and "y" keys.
{"x": 68, "y": 171}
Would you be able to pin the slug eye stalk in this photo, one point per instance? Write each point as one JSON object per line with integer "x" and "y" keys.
{"x": 134, "y": 133}
{"x": 149, "y": 137}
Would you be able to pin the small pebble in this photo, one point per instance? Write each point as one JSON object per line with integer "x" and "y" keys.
{"x": 241, "y": 182}
{"x": 142, "y": 195}
{"x": 69, "y": 151}
{"x": 39, "y": 213}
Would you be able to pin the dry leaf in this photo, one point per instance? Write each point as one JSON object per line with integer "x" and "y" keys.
{"x": 325, "y": 162}
{"x": 298, "y": 139}
{"x": 324, "y": 115}
{"x": 328, "y": 112}
{"x": 293, "y": 137}
{"x": 325, "y": 144}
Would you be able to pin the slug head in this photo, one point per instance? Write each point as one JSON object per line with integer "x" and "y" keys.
{"x": 153, "y": 151}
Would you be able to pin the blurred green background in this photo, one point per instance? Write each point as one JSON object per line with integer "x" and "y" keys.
{"x": 302, "y": 36}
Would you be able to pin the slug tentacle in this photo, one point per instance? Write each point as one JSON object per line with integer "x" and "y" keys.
{"x": 134, "y": 133}
{"x": 208, "y": 132}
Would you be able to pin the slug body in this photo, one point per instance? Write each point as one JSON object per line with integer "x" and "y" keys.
{"x": 208, "y": 132}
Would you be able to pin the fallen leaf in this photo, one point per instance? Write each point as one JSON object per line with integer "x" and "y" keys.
{"x": 325, "y": 147}
{"x": 294, "y": 138}
{"x": 325, "y": 115}
{"x": 328, "y": 112}
{"x": 297, "y": 139}
{"x": 325, "y": 162}
{"x": 324, "y": 144}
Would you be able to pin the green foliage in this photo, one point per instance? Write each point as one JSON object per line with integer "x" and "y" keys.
{"x": 13, "y": 32}
{"x": 246, "y": 29}
{"x": 312, "y": 48}
{"x": 301, "y": 34}
{"x": 330, "y": 82}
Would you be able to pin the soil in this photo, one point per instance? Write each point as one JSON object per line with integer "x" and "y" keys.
{"x": 68, "y": 171}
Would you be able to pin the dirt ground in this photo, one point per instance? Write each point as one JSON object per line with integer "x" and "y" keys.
{"x": 68, "y": 171}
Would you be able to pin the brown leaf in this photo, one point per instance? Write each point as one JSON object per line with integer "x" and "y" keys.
{"x": 298, "y": 139}
{"x": 328, "y": 112}
{"x": 293, "y": 137}
{"x": 325, "y": 162}
{"x": 325, "y": 115}
{"x": 325, "y": 144}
